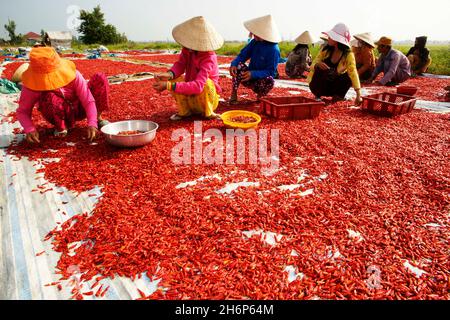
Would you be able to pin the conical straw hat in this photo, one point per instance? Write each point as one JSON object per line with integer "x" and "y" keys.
{"x": 198, "y": 34}
{"x": 354, "y": 43}
{"x": 17, "y": 77}
{"x": 366, "y": 38}
{"x": 265, "y": 28}
{"x": 305, "y": 38}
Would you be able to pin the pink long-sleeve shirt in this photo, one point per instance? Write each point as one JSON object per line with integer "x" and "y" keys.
{"x": 77, "y": 92}
{"x": 198, "y": 67}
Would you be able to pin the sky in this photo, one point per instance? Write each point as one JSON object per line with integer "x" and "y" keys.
{"x": 154, "y": 20}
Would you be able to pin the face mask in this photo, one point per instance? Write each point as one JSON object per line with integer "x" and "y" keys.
{"x": 250, "y": 38}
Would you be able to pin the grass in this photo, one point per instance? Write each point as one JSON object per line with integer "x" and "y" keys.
{"x": 440, "y": 54}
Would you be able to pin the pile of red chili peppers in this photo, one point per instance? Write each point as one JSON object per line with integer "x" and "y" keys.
{"x": 73, "y": 55}
{"x": 89, "y": 67}
{"x": 385, "y": 180}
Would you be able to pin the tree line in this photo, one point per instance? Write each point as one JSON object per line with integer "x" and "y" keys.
{"x": 93, "y": 29}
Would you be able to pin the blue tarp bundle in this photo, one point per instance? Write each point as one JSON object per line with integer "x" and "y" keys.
{"x": 7, "y": 87}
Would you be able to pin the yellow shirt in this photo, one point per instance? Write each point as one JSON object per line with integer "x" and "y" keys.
{"x": 345, "y": 65}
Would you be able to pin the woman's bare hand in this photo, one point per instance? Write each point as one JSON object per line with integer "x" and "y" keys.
{"x": 33, "y": 137}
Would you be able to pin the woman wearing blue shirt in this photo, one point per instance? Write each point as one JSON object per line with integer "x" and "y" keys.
{"x": 264, "y": 55}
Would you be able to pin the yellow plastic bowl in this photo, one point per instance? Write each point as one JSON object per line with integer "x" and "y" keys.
{"x": 227, "y": 116}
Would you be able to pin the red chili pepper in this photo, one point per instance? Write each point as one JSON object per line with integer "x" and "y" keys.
{"x": 52, "y": 284}
{"x": 386, "y": 179}
{"x": 142, "y": 294}
{"x": 99, "y": 291}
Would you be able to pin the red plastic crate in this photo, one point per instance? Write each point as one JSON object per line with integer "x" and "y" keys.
{"x": 407, "y": 90}
{"x": 388, "y": 104}
{"x": 292, "y": 107}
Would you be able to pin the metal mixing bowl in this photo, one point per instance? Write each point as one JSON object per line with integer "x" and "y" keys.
{"x": 111, "y": 133}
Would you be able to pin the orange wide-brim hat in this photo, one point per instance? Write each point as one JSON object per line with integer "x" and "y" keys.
{"x": 386, "y": 41}
{"x": 47, "y": 71}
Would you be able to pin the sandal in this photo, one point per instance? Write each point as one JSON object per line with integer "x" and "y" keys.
{"x": 102, "y": 123}
{"x": 336, "y": 99}
{"x": 61, "y": 134}
{"x": 233, "y": 102}
{"x": 214, "y": 116}
{"x": 233, "y": 99}
{"x": 177, "y": 117}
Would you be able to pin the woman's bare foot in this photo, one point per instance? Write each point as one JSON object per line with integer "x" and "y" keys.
{"x": 233, "y": 98}
{"x": 259, "y": 97}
